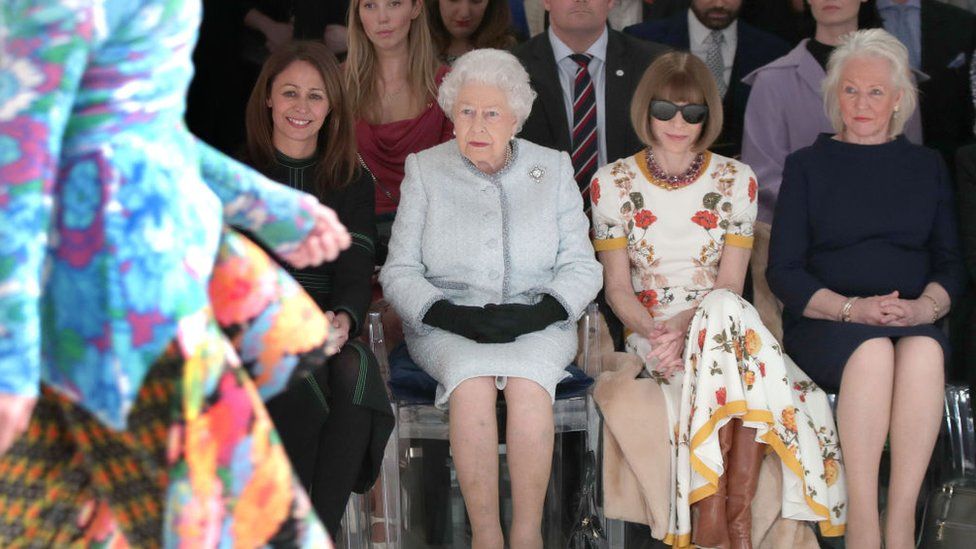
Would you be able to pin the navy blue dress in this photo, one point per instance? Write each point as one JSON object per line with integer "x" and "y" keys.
{"x": 861, "y": 220}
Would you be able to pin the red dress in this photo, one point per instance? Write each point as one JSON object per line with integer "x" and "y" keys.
{"x": 384, "y": 147}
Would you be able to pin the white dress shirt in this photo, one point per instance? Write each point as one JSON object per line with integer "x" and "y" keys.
{"x": 567, "y": 79}
{"x": 698, "y": 40}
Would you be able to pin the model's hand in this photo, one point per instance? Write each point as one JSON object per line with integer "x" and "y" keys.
{"x": 15, "y": 414}
{"x": 339, "y": 323}
{"x": 327, "y": 238}
{"x": 869, "y": 310}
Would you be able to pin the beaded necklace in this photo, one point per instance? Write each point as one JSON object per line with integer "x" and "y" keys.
{"x": 657, "y": 176}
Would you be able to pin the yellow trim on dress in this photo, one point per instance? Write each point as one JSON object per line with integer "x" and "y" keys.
{"x": 608, "y": 244}
{"x": 738, "y": 241}
{"x": 739, "y": 408}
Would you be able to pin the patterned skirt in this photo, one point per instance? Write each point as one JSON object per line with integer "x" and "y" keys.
{"x": 199, "y": 464}
{"x": 734, "y": 368}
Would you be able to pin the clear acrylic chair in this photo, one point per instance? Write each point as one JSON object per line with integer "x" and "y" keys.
{"x": 423, "y": 429}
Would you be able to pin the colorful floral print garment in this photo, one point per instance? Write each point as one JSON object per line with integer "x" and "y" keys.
{"x": 110, "y": 218}
{"x": 733, "y": 366}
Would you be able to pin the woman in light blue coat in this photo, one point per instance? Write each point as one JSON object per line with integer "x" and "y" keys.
{"x": 490, "y": 267}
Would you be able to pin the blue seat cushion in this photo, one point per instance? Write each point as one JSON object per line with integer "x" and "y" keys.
{"x": 411, "y": 385}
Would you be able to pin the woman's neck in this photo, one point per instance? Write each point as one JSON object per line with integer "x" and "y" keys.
{"x": 674, "y": 163}
{"x": 459, "y": 47}
{"x": 831, "y": 34}
{"x": 294, "y": 149}
{"x": 393, "y": 64}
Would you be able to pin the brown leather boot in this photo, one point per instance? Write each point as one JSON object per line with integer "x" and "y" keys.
{"x": 744, "y": 463}
{"x": 709, "y": 524}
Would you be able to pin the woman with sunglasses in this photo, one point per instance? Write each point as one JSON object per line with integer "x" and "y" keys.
{"x": 673, "y": 229}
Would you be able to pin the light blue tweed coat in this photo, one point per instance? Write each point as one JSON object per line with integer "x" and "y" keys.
{"x": 475, "y": 239}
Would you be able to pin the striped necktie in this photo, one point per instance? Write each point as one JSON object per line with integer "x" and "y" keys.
{"x": 585, "y": 149}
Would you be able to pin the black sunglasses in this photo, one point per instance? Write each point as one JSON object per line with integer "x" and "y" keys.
{"x": 693, "y": 113}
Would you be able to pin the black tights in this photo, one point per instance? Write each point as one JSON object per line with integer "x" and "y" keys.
{"x": 326, "y": 445}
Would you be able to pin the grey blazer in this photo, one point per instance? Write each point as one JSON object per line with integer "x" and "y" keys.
{"x": 474, "y": 239}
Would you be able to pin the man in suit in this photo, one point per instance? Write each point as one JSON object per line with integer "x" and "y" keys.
{"x": 940, "y": 39}
{"x": 712, "y": 30}
{"x": 571, "y": 97}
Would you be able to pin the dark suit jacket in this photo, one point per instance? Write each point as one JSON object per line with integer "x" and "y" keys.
{"x": 754, "y": 48}
{"x": 627, "y": 58}
{"x": 948, "y": 40}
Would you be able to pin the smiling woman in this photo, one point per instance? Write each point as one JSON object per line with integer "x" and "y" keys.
{"x": 300, "y": 133}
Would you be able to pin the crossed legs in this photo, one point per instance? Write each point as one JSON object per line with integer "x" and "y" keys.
{"x": 474, "y": 444}
{"x": 887, "y": 389}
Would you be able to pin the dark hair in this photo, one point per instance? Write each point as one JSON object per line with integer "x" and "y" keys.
{"x": 493, "y": 32}
{"x": 336, "y": 144}
{"x": 677, "y": 76}
{"x": 867, "y": 18}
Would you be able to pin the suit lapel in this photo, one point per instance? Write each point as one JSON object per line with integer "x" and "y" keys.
{"x": 619, "y": 75}
{"x": 546, "y": 79}
{"x": 932, "y": 55}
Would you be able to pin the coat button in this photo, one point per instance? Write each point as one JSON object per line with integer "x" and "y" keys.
{"x": 492, "y": 243}
{"x": 493, "y": 274}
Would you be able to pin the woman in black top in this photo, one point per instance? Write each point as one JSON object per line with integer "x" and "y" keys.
{"x": 300, "y": 133}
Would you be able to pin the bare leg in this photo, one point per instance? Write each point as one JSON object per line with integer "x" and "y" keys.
{"x": 474, "y": 444}
{"x": 863, "y": 411}
{"x": 530, "y": 434}
{"x": 916, "y": 410}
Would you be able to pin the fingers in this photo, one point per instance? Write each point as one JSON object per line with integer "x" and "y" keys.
{"x": 15, "y": 414}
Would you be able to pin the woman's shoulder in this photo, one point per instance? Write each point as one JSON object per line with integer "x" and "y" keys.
{"x": 625, "y": 165}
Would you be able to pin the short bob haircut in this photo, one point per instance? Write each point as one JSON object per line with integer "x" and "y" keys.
{"x": 876, "y": 43}
{"x": 677, "y": 77}
{"x": 492, "y": 68}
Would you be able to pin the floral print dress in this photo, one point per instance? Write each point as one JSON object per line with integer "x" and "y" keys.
{"x": 733, "y": 366}
{"x": 149, "y": 332}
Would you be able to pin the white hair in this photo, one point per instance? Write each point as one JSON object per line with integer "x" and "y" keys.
{"x": 490, "y": 67}
{"x": 878, "y": 44}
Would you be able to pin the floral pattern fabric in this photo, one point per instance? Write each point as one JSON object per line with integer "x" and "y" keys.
{"x": 733, "y": 366}
{"x": 200, "y": 464}
{"x": 110, "y": 211}
{"x": 674, "y": 238}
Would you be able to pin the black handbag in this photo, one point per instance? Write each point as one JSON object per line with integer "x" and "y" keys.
{"x": 950, "y": 517}
{"x": 587, "y": 532}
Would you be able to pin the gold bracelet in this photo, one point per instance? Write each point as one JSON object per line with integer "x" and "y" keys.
{"x": 845, "y": 311}
{"x": 936, "y": 310}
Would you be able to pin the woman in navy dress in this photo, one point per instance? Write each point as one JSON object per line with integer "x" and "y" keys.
{"x": 864, "y": 255}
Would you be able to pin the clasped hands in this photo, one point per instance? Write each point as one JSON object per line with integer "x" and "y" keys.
{"x": 667, "y": 340}
{"x": 891, "y": 310}
{"x": 495, "y": 323}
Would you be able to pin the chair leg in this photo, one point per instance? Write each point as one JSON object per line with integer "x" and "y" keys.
{"x": 709, "y": 526}
{"x": 745, "y": 460}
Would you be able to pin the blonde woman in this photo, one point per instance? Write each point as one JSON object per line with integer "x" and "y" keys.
{"x": 392, "y": 74}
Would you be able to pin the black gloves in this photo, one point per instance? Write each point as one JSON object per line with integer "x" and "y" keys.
{"x": 495, "y": 323}
{"x": 460, "y": 319}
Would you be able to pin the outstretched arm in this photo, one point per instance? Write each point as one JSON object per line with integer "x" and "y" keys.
{"x": 290, "y": 222}
{"x": 43, "y": 51}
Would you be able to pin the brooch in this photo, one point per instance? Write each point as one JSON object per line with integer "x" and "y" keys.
{"x": 536, "y": 174}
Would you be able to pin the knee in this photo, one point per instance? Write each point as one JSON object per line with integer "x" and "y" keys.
{"x": 475, "y": 390}
{"x": 919, "y": 352}
{"x": 721, "y": 300}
